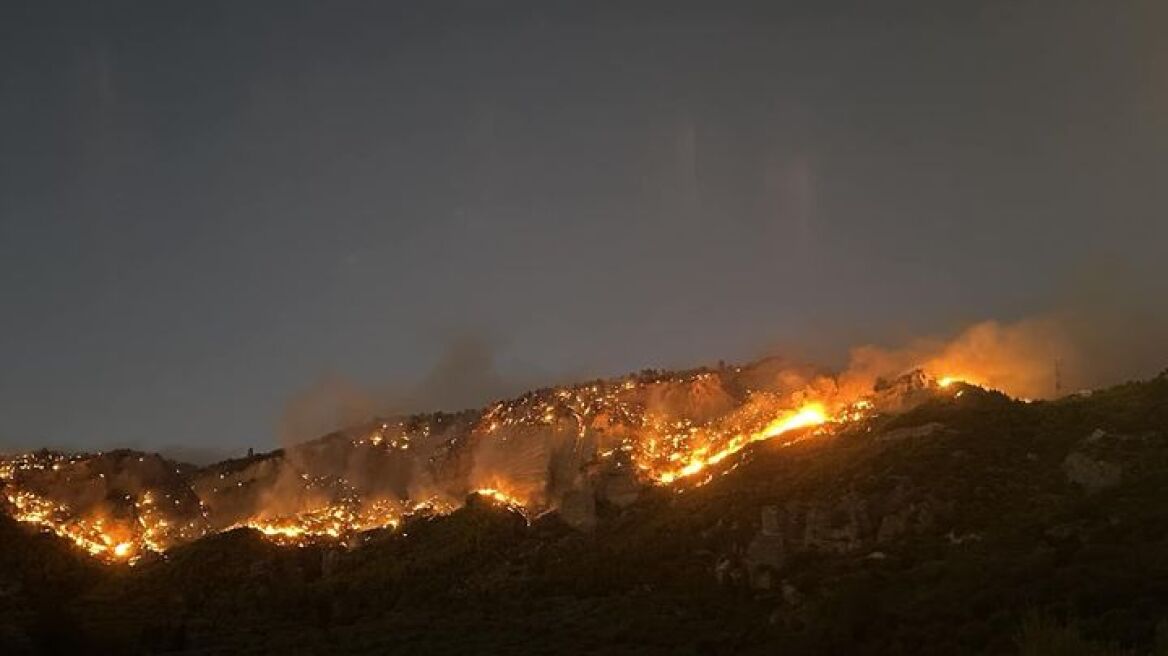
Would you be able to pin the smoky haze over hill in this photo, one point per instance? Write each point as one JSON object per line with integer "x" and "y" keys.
{"x": 229, "y": 225}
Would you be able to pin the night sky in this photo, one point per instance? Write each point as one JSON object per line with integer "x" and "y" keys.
{"x": 212, "y": 210}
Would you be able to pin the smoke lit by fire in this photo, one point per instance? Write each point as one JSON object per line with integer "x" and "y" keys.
{"x": 527, "y": 454}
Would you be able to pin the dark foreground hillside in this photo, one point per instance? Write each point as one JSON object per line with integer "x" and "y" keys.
{"x": 972, "y": 524}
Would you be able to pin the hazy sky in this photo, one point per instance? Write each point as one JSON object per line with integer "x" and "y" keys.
{"x": 208, "y": 207}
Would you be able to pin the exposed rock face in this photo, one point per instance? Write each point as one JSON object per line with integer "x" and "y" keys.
{"x": 765, "y": 553}
{"x": 1098, "y": 460}
{"x": 913, "y": 518}
{"x": 844, "y": 526}
{"x": 578, "y": 509}
{"x": 850, "y": 524}
{"x": 837, "y": 528}
{"x": 903, "y": 393}
{"x": 701, "y": 399}
{"x": 1091, "y": 474}
{"x": 620, "y": 488}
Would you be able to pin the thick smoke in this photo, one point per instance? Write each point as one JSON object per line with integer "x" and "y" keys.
{"x": 1032, "y": 358}
{"x": 330, "y": 403}
{"x": 561, "y": 447}
{"x": 520, "y": 462}
{"x": 1084, "y": 345}
{"x": 1024, "y": 359}
{"x": 546, "y": 464}
{"x": 465, "y": 376}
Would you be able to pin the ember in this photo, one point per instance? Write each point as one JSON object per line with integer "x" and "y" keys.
{"x": 661, "y": 429}
{"x": 500, "y": 497}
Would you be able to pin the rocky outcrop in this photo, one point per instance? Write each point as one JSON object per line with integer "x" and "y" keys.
{"x": 1090, "y": 473}
{"x": 913, "y": 518}
{"x": 1094, "y": 463}
{"x": 766, "y": 552}
{"x": 839, "y": 527}
{"x": 903, "y": 393}
{"x": 578, "y": 509}
{"x": 849, "y": 524}
{"x": 620, "y": 488}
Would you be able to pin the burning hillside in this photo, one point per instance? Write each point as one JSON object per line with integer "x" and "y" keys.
{"x": 554, "y": 449}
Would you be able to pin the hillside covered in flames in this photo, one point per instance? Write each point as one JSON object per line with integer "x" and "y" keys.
{"x": 742, "y": 509}
{"x": 551, "y": 450}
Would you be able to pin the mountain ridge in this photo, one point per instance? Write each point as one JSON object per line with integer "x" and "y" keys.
{"x": 942, "y": 528}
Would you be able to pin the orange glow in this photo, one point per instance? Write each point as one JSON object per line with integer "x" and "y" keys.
{"x": 945, "y": 382}
{"x": 328, "y": 522}
{"x": 659, "y": 429}
{"x": 809, "y": 415}
{"x": 499, "y": 496}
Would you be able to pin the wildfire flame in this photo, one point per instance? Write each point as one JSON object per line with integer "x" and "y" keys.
{"x": 94, "y": 536}
{"x": 659, "y": 448}
{"x": 809, "y": 415}
{"x": 500, "y": 497}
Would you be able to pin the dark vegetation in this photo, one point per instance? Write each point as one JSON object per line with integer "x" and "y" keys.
{"x": 1005, "y": 527}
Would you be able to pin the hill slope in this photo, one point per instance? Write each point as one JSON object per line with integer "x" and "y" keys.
{"x": 938, "y": 530}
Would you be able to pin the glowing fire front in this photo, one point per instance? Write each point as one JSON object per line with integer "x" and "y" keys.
{"x": 611, "y": 420}
{"x": 498, "y": 496}
{"x": 337, "y": 521}
{"x": 808, "y": 416}
{"x": 96, "y": 537}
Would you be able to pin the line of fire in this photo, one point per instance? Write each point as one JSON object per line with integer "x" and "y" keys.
{"x": 556, "y": 450}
